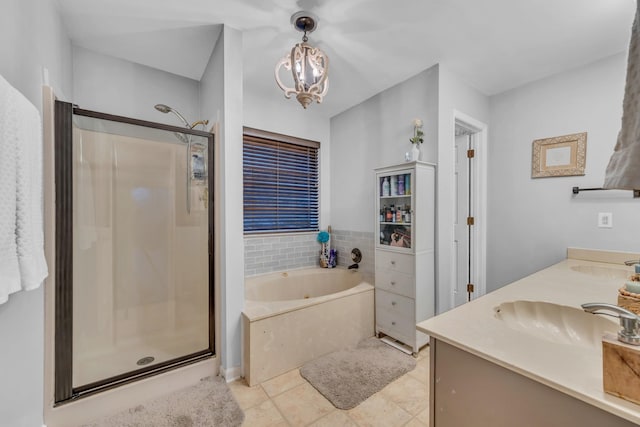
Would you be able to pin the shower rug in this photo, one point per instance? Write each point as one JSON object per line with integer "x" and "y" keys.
{"x": 208, "y": 403}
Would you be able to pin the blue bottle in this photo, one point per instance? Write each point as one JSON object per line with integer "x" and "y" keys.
{"x": 332, "y": 258}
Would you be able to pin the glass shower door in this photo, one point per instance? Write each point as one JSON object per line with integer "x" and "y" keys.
{"x": 141, "y": 266}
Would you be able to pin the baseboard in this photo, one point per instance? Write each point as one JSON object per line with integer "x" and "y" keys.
{"x": 231, "y": 374}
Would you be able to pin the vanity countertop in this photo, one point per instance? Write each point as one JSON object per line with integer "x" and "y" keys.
{"x": 571, "y": 369}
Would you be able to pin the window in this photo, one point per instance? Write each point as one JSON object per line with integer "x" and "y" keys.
{"x": 280, "y": 183}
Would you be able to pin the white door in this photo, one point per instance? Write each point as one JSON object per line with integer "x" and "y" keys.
{"x": 462, "y": 231}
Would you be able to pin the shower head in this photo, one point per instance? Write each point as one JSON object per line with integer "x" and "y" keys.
{"x": 162, "y": 108}
{"x": 166, "y": 109}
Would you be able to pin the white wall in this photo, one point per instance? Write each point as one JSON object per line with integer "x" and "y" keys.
{"x": 211, "y": 90}
{"x": 454, "y": 95}
{"x": 221, "y": 92}
{"x": 275, "y": 113}
{"x": 111, "y": 85}
{"x": 533, "y": 221}
{"x": 376, "y": 133}
{"x": 373, "y": 134}
{"x": 32, "y": 36}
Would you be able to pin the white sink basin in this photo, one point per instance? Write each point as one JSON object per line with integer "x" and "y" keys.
{"x": 604, "y": 272}
{"x": 556, "y": 323}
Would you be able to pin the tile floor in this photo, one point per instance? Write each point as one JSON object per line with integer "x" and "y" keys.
{"x": 289, "y": 400}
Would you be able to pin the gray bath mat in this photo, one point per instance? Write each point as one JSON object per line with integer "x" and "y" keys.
{"x": 208, "y": 403}
{"x": 348, "y": 377}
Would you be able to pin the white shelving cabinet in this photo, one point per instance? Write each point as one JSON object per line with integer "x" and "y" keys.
{"x": 404, "y": 252}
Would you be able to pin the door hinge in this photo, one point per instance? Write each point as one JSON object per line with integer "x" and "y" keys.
{"x": 470, "y": 287}
{"x": 471, "y": 154}
{"x": 470, "y": 220}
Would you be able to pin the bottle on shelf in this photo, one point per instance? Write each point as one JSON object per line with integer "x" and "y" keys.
{"x": 401, "y": 185}
{"x": 388, "y": 214}
{"x": 382, "y": 213}
{"x": 394, "y": 185}
{"x": 393, "y": 213}
{"x": 407, "y": 184}
{"x": 399, "y": 216}
{"x": 385, "y": 187}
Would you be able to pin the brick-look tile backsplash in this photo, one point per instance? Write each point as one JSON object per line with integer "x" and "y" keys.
{"x": 267, "y": 254}
{"x": 344, "y": 241}
{"x": 277, "y": 253}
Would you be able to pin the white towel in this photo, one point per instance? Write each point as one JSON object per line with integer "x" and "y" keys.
{"x": 623, "y": 171}
{"x": 9, "y": 269}
{"x": 22, "y": 261}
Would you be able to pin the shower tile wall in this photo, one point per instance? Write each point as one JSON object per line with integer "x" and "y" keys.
{"x": 278, "y": 253}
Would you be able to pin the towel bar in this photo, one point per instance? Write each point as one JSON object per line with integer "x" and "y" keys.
{"x": 576, "y": 190}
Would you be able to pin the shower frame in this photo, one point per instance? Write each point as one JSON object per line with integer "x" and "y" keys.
{"x": 64, "y": 392}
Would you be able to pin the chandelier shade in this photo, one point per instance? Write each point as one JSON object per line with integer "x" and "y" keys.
{"x": 308, "y": 66}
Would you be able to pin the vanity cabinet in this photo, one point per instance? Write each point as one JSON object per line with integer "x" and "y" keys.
{"x": 404, "y": 252}
{"x": 492, "y": 395}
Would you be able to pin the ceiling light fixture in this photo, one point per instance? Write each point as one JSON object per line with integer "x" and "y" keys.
{"x": 308, "y": 65}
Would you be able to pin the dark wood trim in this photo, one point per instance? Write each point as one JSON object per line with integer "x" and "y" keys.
{"x": 212, "y": 276}
{"x": 272, "y": 136}
{"x": 130, "y": 376}
{"x": 138, "y": 122}
{"x": 64, "y": 252}
{"x": 149, "y": 372}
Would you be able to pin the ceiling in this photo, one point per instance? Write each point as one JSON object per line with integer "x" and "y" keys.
{"x": 493, "y": 45}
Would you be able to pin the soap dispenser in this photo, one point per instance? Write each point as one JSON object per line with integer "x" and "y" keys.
{"x": 621, "y": 354}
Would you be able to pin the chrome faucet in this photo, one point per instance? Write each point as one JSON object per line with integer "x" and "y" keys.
{"x": 632, "y": 262}
{"x": 629, "y": 321}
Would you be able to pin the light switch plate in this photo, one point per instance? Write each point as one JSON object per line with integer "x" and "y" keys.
{"x": 605, "y": 220}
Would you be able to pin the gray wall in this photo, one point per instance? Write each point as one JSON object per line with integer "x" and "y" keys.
{"x": 453, "y": 95}
{"x": 533, "y": 221}
{"x": 32, "y": 36}
{"x": 211, "y": 90}
{"x": 376, "y": 133}
{"x": 274, "y": 113}
{"x": 221, "y": 93}
{"x": 111, "y": 85}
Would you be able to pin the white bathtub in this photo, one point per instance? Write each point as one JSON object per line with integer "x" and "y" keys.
{"x": 293, "y": 317}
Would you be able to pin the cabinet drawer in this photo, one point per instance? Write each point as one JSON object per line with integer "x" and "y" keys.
{"x": 395, "y": 281}
{"x": 395, "y": 312}
{"x": 392, "y": 261}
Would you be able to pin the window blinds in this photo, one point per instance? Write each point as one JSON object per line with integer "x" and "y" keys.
{"x": 280, "y": 184}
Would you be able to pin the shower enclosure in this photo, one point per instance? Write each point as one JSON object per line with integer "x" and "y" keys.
{"x": 134, "y": 249}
